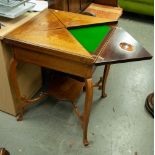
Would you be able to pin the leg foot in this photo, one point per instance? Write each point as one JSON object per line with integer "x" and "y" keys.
{"x": 85, "y": 142}
{"x": 19, "y": 116}
{"x": 103, "y": 95}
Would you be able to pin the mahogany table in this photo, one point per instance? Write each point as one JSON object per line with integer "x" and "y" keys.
{"x": 72, "y": 45}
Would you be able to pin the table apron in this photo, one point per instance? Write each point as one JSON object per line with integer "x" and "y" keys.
{"x": 53, "y": 62}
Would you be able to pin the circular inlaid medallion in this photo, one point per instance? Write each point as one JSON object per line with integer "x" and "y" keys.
{"x": 127, "y": 47}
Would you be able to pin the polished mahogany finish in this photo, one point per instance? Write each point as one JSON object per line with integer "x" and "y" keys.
{"x": 122, "y": 47}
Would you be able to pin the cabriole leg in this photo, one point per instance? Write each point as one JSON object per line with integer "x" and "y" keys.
{"x": 15, "y": 88}
{"x": 87, "y": 108}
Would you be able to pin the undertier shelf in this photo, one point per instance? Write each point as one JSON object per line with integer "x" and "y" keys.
{"x": 65, "y": 88}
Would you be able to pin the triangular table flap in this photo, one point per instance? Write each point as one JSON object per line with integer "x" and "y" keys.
{"x": 70, "y": 19}
{"x": 120, "y": 48}
{"x": 104, "y": 11}
{"x": 46, "y": 20}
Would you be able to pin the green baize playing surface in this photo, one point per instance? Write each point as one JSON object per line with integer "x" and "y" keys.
{"x": 90, "y": 37}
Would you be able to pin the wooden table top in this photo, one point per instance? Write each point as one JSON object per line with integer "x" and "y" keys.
{"x": 48, "y": 32}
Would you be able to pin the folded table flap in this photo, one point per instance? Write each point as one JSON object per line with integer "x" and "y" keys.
{"x": 121, "y": 47}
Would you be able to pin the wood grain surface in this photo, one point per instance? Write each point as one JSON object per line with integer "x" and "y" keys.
{"x": 70, "y": 19}
{"x": 105, "y": 11}
{"x": 50, "y": 37}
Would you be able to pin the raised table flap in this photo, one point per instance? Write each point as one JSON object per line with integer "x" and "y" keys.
{"x": 120, "y": 47}
{"x": 104, "y": 11}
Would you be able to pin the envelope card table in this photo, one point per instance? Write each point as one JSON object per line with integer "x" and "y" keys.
{"x": 70, "y": 44}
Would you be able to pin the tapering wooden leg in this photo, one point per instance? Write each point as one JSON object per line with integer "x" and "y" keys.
{"x": 87, "y": 108}
{"x": 104, "y": 80}
{"x": 15, "y": 88}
